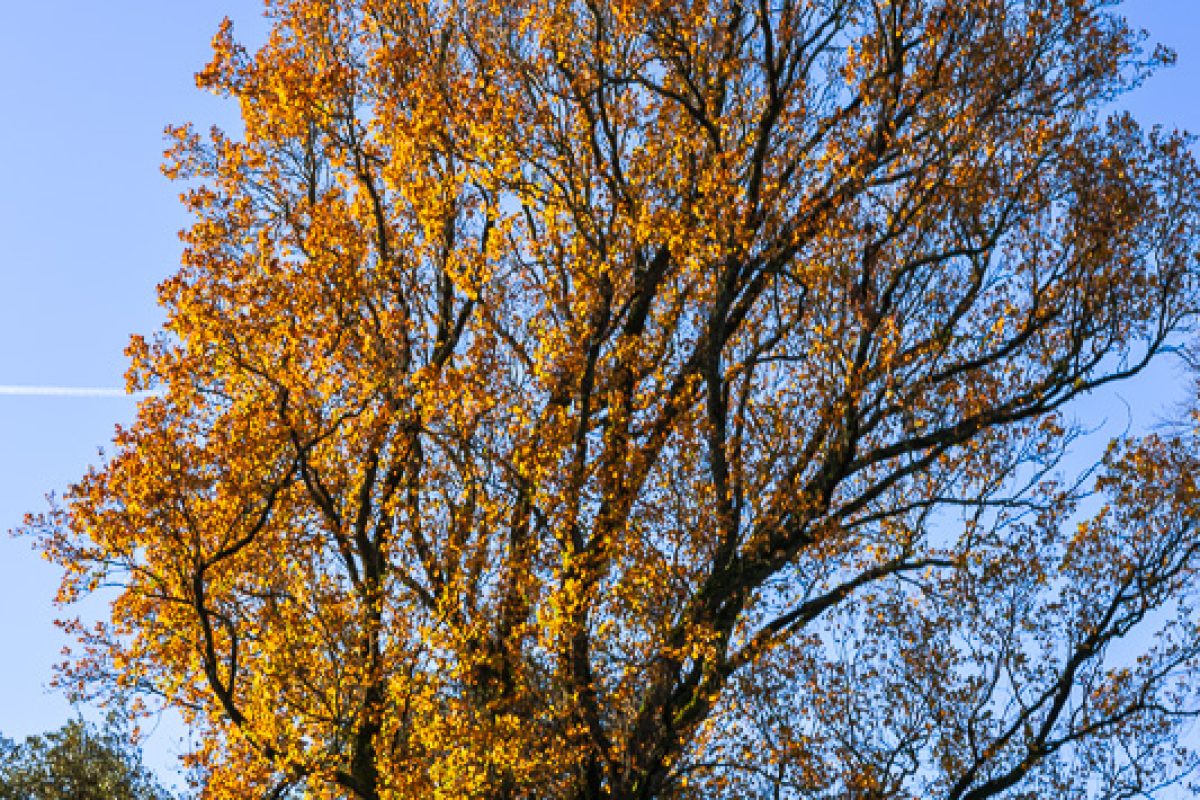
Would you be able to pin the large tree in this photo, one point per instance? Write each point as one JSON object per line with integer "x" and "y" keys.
{"x": 661, "y": 399}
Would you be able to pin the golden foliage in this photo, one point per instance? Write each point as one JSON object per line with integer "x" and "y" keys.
{"x": 655, "y": 399}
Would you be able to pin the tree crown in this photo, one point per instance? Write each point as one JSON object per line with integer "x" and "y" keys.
{"x": 658, "y": 399}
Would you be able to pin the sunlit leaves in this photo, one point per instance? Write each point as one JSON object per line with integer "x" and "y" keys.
{"x": 656, "y": 400}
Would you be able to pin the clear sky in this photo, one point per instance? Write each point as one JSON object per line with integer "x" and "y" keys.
{"x": 87, "y": 228}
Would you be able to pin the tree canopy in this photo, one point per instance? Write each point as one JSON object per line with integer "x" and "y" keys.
{"x": 661, "y": 399}
{"x": 77, "y": 762}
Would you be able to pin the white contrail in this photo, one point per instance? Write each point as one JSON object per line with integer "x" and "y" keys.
{"x": 72, "y": 391}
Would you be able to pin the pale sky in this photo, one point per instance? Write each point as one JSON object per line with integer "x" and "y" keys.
{"x": 88, "y": 227}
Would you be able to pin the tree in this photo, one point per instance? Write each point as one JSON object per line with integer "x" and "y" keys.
{"x": 661, "y": 399}
{"x": 76, "y": 762}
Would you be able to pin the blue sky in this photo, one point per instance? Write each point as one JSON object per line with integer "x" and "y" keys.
{"x": 88, "y": 228}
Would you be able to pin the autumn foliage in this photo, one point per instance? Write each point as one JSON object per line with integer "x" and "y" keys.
{"x": 660, "y": 399}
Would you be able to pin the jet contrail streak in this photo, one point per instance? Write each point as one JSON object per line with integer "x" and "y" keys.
{"x": 71, "y": 391}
